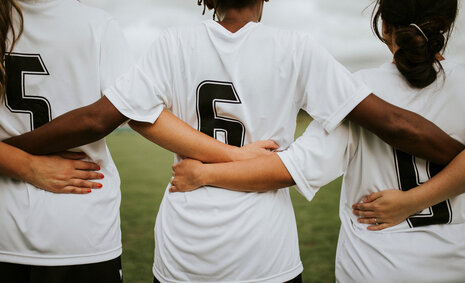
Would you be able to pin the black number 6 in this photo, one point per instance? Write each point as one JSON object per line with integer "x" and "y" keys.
{"x": 209, "y": 94}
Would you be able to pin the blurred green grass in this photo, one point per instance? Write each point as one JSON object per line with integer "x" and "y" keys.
{"x": 145, "y": 170}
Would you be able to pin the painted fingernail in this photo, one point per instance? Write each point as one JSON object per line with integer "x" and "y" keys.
{"x": 89, "y": 190}
{"x": 100, "y": 186}
{"x": 99, "y": 168}
{"x": 102, "y": 176}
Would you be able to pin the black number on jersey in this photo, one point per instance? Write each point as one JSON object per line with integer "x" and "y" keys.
{"x": 408, "y": 177}
{"x": 209, "y": 94}
{"x": 17, "y": 67}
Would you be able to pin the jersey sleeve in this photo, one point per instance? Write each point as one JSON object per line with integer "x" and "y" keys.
{"x": 317, "y": 157}
{"x": 115, "y": 55}
{"x": 145, "y": 90}
{"x": 331, "y": 92}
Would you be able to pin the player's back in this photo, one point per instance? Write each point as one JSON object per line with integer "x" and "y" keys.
{"x": 239, "y": 88}
{"x": 238, "y": 98}
{"x": 415, "y": 249}
{"x": 67, "y": 54}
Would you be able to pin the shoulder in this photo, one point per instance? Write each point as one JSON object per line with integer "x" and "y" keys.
{"x": 90, "y": 13}
{"x": 453, "y": 68}
{"x": 372, "y": 76}
{"x": 297, "y": 38}
{"x": 174, "y": 35}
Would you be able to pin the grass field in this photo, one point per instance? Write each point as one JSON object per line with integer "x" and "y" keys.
{"x": 145, "y": 170}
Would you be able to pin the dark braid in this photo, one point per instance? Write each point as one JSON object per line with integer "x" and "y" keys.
{"x": 199, "y": 2}
{"x": 223, "y": 5}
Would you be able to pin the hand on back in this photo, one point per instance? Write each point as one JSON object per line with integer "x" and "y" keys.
{"x": 64, "y": 174}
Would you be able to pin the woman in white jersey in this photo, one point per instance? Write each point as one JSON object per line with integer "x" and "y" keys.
{"x": 238, "y": 81}
{"x": 46, "y": 237}
{"x": 48, "y": 173}
{"x": 419, "y": 80}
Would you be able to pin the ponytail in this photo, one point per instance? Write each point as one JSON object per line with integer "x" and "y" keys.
{"x": 416, "y": 57}
{"x": 422, "y": 29}
{"x": 7, "y": 8}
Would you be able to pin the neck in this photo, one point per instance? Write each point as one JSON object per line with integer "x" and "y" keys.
{"x": 233, "y": 19}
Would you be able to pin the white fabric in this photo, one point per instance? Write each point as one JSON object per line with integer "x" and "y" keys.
{"x": 434, "y": 253}
{"x": 84, "y": 51}
{"x": 212, "y": 235}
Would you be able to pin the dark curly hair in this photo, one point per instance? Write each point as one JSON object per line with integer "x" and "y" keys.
{"x": 222, "y": 5}
{"x": 422, "y": 29}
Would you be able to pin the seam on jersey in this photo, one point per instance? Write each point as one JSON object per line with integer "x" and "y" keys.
{"x": 297, "y": 269}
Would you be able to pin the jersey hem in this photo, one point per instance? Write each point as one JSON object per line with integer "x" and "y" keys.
{"x": 279, "y": 278}
{"x": 346, "y": 108}
{"x": 57, "y": 260}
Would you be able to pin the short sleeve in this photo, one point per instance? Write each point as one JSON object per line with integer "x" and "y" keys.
{"x": 331, "y": 92}
{"x": 317, "y": 157}
{"x": 145, "y": 90}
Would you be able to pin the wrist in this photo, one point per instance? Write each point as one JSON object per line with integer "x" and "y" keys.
{"x": 206, "y": 175}
{"x": 415, "y": 201}
{"x": 28, "y": 172}
{"x": 237, "y": 154}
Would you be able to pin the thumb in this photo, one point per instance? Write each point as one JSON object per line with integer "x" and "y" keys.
{"x": 372, "y": 197}
{"x": 268, "y": 144}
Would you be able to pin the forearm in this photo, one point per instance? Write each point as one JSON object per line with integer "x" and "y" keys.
{"x": 254, "y": 175}
{"x": 75, "y": 128}
{"x": 448, "y": 183}
{"x": 425, "y": 140}
{"x": 174, "y": 135}
{"x": 405, "y": 130}
{"x": 14, "y": 163}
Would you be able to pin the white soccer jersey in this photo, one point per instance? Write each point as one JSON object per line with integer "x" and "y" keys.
{"x": 67, "y": 54}
{"x": 415, "y": 250}
{"x": 238, "y": 87}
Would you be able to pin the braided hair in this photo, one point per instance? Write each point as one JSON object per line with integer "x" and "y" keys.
{"x": 222, "y": 5}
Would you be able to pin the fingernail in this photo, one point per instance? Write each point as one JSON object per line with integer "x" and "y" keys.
{"x": 100, "y": 186}
{"x": 89, "y": 190}
{"x": 102, "y": 176}
{"x": 99, "y": 168}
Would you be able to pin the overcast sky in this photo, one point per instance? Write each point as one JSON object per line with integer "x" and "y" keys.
{"x": 342, "y": 26}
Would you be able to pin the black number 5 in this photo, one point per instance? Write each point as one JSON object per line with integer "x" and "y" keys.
{"x": 209, "y": 94}
{"x": 17, "y": 66}
{"x": 408, "y": 178}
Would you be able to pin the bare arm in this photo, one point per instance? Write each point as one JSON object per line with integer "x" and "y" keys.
{"x": 174, "y": 135}
{"x": 405, "y": 130}
{"x": 400, "y": 128}
{"x": 391, "y": 207}
{"x": 254, "y": 175}
{"x": 51, "y": 173}
{"x": 93, "y": 122}
{"x": 75, "y": 128}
